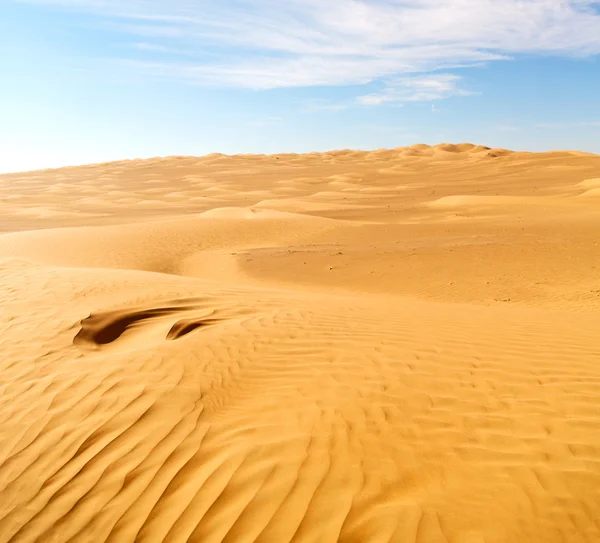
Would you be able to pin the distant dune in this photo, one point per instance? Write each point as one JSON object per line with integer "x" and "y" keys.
{"x": 390, "y": 346}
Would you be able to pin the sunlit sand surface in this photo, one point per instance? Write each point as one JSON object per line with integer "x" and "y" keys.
{"x": 391, "y": 346}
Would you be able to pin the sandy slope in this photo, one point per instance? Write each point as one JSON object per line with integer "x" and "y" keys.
{"x": 399, "y": 346}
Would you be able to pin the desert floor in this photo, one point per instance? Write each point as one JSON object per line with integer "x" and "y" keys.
{"x": 390, "y": 346}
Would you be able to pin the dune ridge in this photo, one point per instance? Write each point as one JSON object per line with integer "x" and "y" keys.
{"x": 388, "y": 346}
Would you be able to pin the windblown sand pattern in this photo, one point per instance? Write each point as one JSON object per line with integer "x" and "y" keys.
{"x": 390, "y": 346}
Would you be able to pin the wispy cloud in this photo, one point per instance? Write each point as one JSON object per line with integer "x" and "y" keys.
{"x": 423, "y": 88}
{"x": 262, "y": 44}
{"x": 154, "y": 47}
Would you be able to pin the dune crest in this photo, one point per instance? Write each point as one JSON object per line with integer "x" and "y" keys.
{"x": 389, "y": 346}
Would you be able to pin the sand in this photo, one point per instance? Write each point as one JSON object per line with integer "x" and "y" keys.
{"x": 391, "y": 346}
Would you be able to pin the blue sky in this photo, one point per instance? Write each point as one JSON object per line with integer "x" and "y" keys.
{"x": 93, "y": 80}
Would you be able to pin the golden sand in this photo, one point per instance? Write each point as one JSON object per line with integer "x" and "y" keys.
{"x": 391, "y": 346}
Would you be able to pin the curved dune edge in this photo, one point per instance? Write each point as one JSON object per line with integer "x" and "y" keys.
{"x": 389, "y": 347}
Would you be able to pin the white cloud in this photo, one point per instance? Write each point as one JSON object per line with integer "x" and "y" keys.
{"x": 416, "y": 89}
{"x": 263, "y": 44}
{"x": 144, "y": 46}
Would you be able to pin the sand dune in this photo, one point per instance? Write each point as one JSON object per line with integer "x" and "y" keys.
{"x": 389, "y": 346}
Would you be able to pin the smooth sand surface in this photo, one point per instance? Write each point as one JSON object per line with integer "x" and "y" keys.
{"x": 391, "y": 346}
